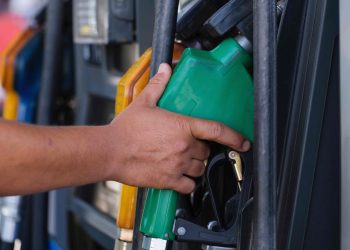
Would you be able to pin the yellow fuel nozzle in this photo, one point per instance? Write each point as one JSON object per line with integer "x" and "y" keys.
{"x": 137, "y": 74}
{"x": 129, "y": 87}
{"x": 127, "y": 205}
{"x": 10, "y": 105}
{"x": 7, "y": 64}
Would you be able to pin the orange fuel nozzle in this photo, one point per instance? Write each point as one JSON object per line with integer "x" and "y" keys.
{"x": 129, "y": 87}
{"x": 7, "y": 64}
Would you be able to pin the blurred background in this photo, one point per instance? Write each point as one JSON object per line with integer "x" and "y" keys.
{"x": 60, "y": 62}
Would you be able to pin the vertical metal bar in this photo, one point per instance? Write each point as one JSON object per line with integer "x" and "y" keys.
{"x": 164, "y": 33}
{"x": 50, "y": 76}
{"x": 264, "y": 12}
{"x": 162, "y": 51}
{"x": 52, "y": 61}
{"x": 345, "y": 121}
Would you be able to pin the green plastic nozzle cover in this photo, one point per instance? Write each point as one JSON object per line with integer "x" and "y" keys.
{"x": 213, "y": 85}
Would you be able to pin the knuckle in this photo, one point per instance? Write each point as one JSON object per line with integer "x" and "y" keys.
{"x": 217, "y": 130}
{"x": 195, "y": 173}
{"x": 185, "y": 185}
{"x": 174, "y": 170}
{"x": 179, "y": 165}
{"x": 181, "y": 146}
{"x": 188, "y": 189}
{"x": 236, "y": 141}
{"x": 143, "y": 98}
{"x": 194, "y": 170}
{"x": 147, "y": 96}
{"x": 181, "y": 189}
{"x": 177, "y": 189}
{"x": 165, "y": 181}
{"x": 200, "y": 169}
{"x": 207, "y": 153}
{"x": 157, "y": 79}
{"x": 175, "y": 185}
{"x": 176, "y": 167}
{"x": 181, "y": 123}
{"x": 236, "y": 144}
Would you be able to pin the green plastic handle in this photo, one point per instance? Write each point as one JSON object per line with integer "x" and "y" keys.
{"x": 213, "y": 85}
{"x": 159, "y": 213}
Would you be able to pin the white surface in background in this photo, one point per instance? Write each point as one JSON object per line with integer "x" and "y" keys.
{"x": 153, "y": 243}
{"x": 26, "y": 8}
{"x": 2, "y": 99}
{"x": 345, "y": 121}
{"x": 158, "y": 244}
{"x": 2, "y": 94}
{"x": 113, "y": 185}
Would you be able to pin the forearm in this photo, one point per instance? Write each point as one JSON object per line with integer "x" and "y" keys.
{"x": 34, "y": 158}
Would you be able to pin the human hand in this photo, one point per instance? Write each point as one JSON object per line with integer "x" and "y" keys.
{"x": 153, "y": 147}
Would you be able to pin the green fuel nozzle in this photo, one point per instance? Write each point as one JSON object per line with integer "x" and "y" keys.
{"x": 214, "y": 85}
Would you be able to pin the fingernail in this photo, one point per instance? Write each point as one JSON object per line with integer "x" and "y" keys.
{"x": 162, "y": 68}
{"x": 246, "y": 145}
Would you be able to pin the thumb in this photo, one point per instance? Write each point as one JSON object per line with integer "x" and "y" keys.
{"x": 156, "y": 85}
{"x": 217, "y": 132}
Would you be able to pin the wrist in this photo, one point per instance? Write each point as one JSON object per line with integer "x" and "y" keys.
{"x": 109, "y": 151}
{"x": 93, "y": 151}
{"x": 103, "y": 146}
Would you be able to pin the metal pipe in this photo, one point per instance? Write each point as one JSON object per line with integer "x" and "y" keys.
{"x": 345, "y": 122}
{"x": 162, "y": 51}
{"x": 264, "y": 235}
{"x": 164, "y": 33}
{"x": 52, "y": 63}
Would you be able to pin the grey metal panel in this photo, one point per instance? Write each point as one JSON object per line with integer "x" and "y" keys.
{"x": 58, "y": 225}
{"x": 145, "y": 11}
{"x": 95, "y": 221}
{"x": 345, "y": 121}
{"x": 103, "y": 90}
{"x": 92, "y": 78}
{"x": 103, "y": 21}
{"x": 299, "y": 162}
